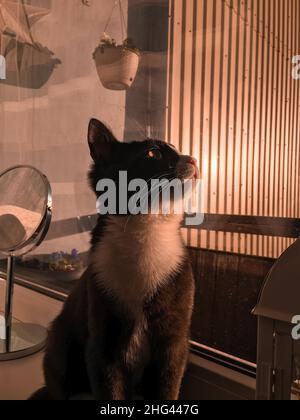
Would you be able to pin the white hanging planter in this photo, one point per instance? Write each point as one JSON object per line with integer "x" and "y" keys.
{"x": 117, "y": 65}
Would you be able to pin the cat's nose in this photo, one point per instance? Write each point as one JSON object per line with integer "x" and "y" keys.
{"x": 192, "y": 161}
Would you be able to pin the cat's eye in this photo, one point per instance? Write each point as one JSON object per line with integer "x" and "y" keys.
{"x": 154, "y": 154}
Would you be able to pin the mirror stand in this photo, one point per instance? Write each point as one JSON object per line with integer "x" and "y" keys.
{"x": 20, "y": 339}
{"x": 8, "y": 302}
{"x": 25, "y": 217}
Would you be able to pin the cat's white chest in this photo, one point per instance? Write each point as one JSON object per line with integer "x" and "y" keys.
{"x": 136, "y": 256}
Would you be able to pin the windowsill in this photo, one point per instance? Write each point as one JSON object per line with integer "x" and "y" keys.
{"x": 205, "y": 380}
{"x": 55, "y": 284}
{"x": 43, "y": 285}
{"x": 58, "y": 286}
{"x": 20, "y": 378}
{"x": 31, "y": 306}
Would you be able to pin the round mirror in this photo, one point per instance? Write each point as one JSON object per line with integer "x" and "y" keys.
{"x": 25, "y": 201}
{"x": 25, "y": 216}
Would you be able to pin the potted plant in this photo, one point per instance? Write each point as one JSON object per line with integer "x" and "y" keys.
{"x": 117, "y": 65}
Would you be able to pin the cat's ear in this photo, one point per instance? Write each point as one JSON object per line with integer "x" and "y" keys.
{"x": 101, "y": 141}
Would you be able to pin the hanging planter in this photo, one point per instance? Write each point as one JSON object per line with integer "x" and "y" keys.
{"x": 28, "y": 66}
{"x": 28, "y": 63}
{"x": 117, "y": 65}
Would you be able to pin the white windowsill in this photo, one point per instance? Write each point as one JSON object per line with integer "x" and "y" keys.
{"x": 20, "y": 378}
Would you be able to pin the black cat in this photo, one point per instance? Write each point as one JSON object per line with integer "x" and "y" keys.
{"x": 127, "y": 322}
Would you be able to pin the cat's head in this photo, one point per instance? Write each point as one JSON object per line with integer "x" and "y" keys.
{"x": 146, "y": 160}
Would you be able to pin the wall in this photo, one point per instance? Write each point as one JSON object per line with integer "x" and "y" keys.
{"x": 234, "y": 105}
{"x": 45, "y": 123}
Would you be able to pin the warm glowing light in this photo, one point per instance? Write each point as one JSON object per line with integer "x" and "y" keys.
{"x": 214, "y": 165}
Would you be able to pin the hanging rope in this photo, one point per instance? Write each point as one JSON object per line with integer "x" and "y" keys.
{"x": 110, "y": 16}
{"x": 122, "y": 18}
{"x": 2, "y": 52}
{"x": 18, "y": 77}
{"x": 27, "y": 22}
{"x": 122, "y": 25}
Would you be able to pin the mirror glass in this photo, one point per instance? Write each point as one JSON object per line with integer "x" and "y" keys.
{"x": 24, "y": 195}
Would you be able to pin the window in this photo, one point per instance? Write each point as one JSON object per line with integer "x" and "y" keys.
{"x": 233, "y": 104}
{"x": 215, "y": 79}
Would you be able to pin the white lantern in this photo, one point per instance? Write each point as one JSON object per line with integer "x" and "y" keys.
{"x": 278, "y": 311}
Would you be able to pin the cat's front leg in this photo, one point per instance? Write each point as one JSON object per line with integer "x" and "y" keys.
{"x": 163, "y": 377}
{"x": 107, "y": 378}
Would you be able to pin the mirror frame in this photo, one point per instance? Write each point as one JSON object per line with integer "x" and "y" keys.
{"x": 41, "y": 231}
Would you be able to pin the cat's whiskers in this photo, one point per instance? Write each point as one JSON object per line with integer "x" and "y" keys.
{"x": 157, "y": 177}
{"x": 161, "y": 190}
{"x": 149, "y": 193}
{"x": 143, "y": 198}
